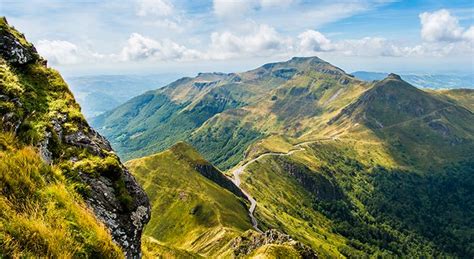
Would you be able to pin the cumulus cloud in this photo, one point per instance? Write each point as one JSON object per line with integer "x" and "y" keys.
{"x": 262, "y": 40}
{"x": 441, "y": 26}
{"x": 311, "y": 40}
{"x": 469, "y": 34}
{"x": 58, "y": 51}
{"x": 154, "y": 7}
{"x": 139, "y": 47}
{"x": 441, "y": 33}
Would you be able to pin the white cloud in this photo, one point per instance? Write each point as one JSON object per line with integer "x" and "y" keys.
{"x": 159, "y": 8}
{"x": 311, "y": 40}
{"x": 139, "y": 48}
{"x": 232, "y": 8}
{"x": 58, "y": 51}
{"x": 469, "y": 34}
{"x": 168, "y": 24}
{"x": 275, "y": 3}
{"x": 261, "y": 41}
{"x": 440, "y": 26}
{"x": 369, "y": 46}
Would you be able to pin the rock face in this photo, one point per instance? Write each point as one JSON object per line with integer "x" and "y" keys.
{"x": 64, "y": 138}
{"x": 125, "y": 222}
{"x": 14, "y": 51}
{"x": 244, "y": 245}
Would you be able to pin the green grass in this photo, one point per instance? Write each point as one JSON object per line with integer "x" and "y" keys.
{"x": 189, "y": 212}
{"x": 46, "y": 197}
{"x": 345, "y": 201}
{"x": 41, "y": 213}
{"x": 151, "y": 248}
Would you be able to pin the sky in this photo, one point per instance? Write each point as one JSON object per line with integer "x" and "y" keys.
{"x": 90, "y": 37}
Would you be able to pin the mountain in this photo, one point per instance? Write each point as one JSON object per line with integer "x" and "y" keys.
{"x": 348, "y": 167}
{"x": 463, "y": 97}
{"x": 202, "y": 109}
{"x": 388, "y": 175}
{"x": 64, "y": 193}
{"x": 435, "y": 81}
{"x": 100, "y": 93}
{"x": 415, "y": 124}
{"x": 197, "y": 211}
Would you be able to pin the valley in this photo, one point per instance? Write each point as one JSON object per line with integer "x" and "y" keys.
{"x": 323, "y": 183}
{"x": 292, "y": 159}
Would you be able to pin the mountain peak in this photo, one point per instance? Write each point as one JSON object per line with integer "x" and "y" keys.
{"x": 393, "y": 76}
{"x": 304, "y": 59}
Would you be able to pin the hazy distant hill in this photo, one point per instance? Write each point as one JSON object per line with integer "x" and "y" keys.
{"x": 99, "y": 93}
{"x": 435, "y": 81}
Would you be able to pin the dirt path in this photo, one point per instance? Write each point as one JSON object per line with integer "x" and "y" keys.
{"x": 239, "y": 170}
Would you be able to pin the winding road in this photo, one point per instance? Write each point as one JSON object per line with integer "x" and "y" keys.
{"x": 239, "y": 170}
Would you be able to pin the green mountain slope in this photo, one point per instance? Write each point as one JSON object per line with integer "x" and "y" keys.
{"x": 390, "y": 174}
{"x": 463, "y": 97}
{"x": 343, "y": 204}
{"x": 419, "y": 128}
{"x": 195, "y": 211}
{"x": 63, "y": 190}
{"x": 350, "y": 168}
{"x": 202, "y": 109}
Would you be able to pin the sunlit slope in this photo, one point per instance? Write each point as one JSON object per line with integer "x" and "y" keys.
{"x": 463, "y": 97}
{"x": 189, "y": 211}
{"x": 196, "y": 213}
{"x": 285, "y": 97}
{"x": 346, "y": 201}
{"x": 420, "y": 129}
{"x": 63, "y": 190}
{"x": 376, "y": 178}
{"x": 42, "y": 214}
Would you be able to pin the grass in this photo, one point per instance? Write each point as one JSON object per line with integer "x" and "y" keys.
{"x": 351, "y": 198}
{"x": 43, "y": 209}
{"x": 41, "y": 214}
{"x": 190, "y": 212}
{"x": 152, "y": 248}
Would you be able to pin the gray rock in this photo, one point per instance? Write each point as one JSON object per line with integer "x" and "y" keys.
{"x": 244, "y": 245}
{"x": 14, "y": 52}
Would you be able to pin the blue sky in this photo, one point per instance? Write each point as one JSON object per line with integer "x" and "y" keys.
{"x": 185, "y": 37}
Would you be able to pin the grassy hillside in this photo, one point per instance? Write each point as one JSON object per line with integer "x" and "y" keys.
{"x": 350, "y": 168}
{"x": 52, "y": 164}
{"x": 463, "y": 97}
{"x": 196, "y": 214}
{"x": 420, "y": 129}
{"x": 279, "y": 97}
{"x": 42, "y": 214}
{"x": 335, "y": 199}
{"x": 190, "y": 211}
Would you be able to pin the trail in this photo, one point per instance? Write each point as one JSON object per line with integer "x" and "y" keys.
{"x": 239, "y": 170}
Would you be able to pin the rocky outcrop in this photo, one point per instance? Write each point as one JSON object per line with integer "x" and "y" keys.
{"x": 318, "y": 185}
{"x": 64, "y": 138}
{"x": 13, "y": 50}
{"x": 246, "y": 244}
{"x": 125, "y": 221}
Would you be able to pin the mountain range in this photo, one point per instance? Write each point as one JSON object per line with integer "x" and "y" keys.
{"x": 294, "y": 159}
{"x": 346, "y": 166}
